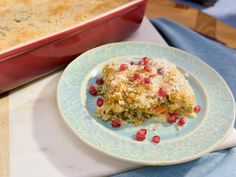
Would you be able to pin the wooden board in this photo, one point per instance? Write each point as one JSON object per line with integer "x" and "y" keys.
{"x": 193, "y": 19}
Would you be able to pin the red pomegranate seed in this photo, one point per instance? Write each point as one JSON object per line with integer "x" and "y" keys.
{"x": 146, "y": 80}
{"x": 174, "y": 114}
{"x": 115, "y": 123}
{"x": 137, "y": 76}
{"x": 156, "y": 139}
{"x": 181, "y": 122}
{"x": 161, "y": 92}
{"x": 100, "y": 102}
{"x": 123, "y": 67}
{"x": 172, "y": 118}
{"x": 147, "y": 68}
{"x": 132, "y": 63}
{"x": 140, "y": 135}
{"x": 145, "y": 60}
{"x": 141, "y": 63}
{"x": 143, "y": 130}
{"x": 92, "y": 90}
{"x": 160, "y": 71}
{"x": 99, "y": 81}
{"x": 197, "y": 108}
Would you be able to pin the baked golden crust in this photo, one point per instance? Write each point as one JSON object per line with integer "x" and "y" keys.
{"x": 131, "y": 99}
{"x": 23, "y": 20}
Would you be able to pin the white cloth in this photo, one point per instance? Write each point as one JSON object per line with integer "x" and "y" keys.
{"x": 40, "y": 143}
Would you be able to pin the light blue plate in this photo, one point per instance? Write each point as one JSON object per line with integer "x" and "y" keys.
{"x": 200, "y": 135}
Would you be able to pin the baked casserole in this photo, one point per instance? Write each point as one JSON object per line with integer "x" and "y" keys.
{"x": 136, "y": 91}
{"x": 24, "y": 20}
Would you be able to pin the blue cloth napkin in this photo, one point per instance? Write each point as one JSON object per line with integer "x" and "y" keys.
{"x": 223, "y": 60}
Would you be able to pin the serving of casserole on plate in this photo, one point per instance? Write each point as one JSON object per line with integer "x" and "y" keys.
{"x": 113, "y": 98}
{"x": 144, "y": 88}
{"x": 39, "y": 37}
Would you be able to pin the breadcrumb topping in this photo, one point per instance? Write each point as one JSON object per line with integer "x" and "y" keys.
{"x": 23, "y": 20}
{"x": 141, "y": 91}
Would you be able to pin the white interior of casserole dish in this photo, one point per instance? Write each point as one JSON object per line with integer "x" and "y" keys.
{"x": 72, "y": 27}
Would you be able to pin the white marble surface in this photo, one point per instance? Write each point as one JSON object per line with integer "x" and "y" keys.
{"x": 42, "y": 146}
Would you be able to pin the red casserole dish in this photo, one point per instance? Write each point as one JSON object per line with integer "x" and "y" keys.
{"x": 29, "y": 61}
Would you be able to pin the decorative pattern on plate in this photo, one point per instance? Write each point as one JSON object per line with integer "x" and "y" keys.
{"x": 197, "y": 138}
